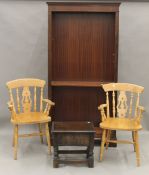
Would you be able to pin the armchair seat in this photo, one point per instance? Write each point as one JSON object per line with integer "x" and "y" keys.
{"x": 31, "y": 118}
{"x": 121, "y": 124}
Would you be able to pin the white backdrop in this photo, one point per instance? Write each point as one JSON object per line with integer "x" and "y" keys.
{"x": 24, "y": 46}
{"x": 134, "y": 49}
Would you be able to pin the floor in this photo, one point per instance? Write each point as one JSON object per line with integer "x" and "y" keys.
{"x": 33, "y": 158}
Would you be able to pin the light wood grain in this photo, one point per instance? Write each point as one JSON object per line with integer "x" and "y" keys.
{"x": 102, "y": 144}
{"x": 15, "y": 141}
{"x": 32, "y": 134}
{"x": 40, "y": 131}
{"x": 137, "y": 148}
{"x": 25, "y": 83}
{"x": 121, "y": 124}
{"x": 48, "y": 137}
{"x": 126, "y": 119}
{"x": 26, "y": 111}
{"x": 123, "y": 87}
{"x": 108, "y": 138}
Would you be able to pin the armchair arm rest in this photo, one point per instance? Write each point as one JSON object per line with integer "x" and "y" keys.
{"x": 49, "y": 104}
{"x": 140, "y": 110}
{"x": 101, "y": 108}
{"x": 10, "y": 106}
{"x": 11, "y": 109}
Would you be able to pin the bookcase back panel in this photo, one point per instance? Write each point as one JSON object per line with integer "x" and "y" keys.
{"x": 83, "y": 46}
{"x": 77, "y": 104}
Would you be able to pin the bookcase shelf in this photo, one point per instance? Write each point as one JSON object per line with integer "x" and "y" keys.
{"x": 78, "y": 83}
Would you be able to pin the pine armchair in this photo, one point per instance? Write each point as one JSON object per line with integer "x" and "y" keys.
{"x": 124, "y": 114}
{"x": 27, "y": 106}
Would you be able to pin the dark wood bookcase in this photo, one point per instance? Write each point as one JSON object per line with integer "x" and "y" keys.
{"x": 83, "y": 54}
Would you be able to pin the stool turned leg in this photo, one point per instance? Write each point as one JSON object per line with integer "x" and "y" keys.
{"x": 90, "y": 156}
{"x": 56, "y": 157}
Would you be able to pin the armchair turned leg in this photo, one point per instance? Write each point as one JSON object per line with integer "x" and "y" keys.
{"x": 40, "y": 131}
{"x": 102, "y": 144}
{"x": 15, "y": 142}
{"x": 13, "y": 139}
{"x": 108, "y": 138}
{"x": 133, "y": 137}
{"x": 137, "y": 148}
{"x": 48, "y": 137}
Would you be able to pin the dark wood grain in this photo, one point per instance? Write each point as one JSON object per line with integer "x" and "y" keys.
{"x": 91, "y": 1}
{"x": 69, "y": 127}
{"x": 49, "y": 53}
{"x": 77, "y": 83}
{"x": 116, "y": 46}
{"x": 89, "y": 46}
{"x": 73, "y": 134}
{"x": 77, "y": 104}
{"x": 83, "y": 46}
{"x": 83, "y": 7}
